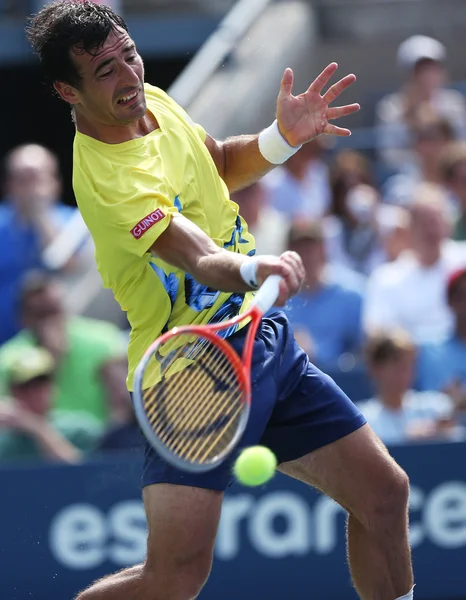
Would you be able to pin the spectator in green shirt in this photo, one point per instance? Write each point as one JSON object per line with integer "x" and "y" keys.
{"x": 81, "y": 347}
{"x": 29, "y": 429}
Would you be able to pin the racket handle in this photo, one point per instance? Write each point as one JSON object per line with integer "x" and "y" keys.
{"x": 267, "y": 294}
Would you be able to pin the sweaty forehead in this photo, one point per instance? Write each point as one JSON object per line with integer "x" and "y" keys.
{"x": 116, "y": 40}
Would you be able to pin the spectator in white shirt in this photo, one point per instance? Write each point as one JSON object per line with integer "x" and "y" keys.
{"x": 398, "y": 413}
{"x": 422, "y": 59}
{"x": 268, "y": 226}
{"x": 300, "y": 188}
{"x": 410, "y": 292}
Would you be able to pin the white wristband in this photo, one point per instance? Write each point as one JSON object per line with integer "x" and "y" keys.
{"x": 274, "y": 147}
{"x": 248, "y": 271}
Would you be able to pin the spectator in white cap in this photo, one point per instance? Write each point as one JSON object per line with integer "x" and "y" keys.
{"x": 422, "y": 59}
{"x": 29, "y": 428}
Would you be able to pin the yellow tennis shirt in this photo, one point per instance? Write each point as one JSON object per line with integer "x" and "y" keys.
{"x": 127, "y": 194}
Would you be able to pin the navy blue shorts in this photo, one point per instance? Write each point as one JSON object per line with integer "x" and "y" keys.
{"x": 295, "y": 408}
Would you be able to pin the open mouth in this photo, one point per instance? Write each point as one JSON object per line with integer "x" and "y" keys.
{"x": 125, "y": 100}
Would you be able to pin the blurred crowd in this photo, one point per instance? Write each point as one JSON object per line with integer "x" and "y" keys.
{"x": 382, "y": 236}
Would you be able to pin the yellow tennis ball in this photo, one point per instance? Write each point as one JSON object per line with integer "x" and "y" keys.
{"x": 255, "y": 465}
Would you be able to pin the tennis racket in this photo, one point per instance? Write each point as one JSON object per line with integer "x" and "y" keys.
{"x": 196, "y": 411}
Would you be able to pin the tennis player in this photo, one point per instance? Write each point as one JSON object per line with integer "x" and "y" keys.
{"x": 153, "y": 188}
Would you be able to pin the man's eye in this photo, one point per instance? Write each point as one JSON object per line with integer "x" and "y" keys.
{"x": 106, "y": 74}
{"x": 131, "y": 58}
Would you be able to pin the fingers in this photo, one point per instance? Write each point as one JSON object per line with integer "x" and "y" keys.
{"x": 292, "y": 274}
{"x": 337, "y": 88}
{"x": 334, "y": 130}
{"x": 286, "y": 85}
{"x": 342, "y": 111}
{"x": 321, "y": 81}
{"x": 294, "y": 261}
{"x": 289, "y": 266}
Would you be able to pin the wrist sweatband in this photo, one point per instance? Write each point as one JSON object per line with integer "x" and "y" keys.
{"x": 248, "y": 271}
{"x": 274, "y": 147}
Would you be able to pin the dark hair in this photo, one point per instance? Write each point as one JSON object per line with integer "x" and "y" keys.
{"x": 347, "y": 165}
{"x": 384, "y": 346}
{"x": 61, "y": 26}
{"x": 309, "y": 231}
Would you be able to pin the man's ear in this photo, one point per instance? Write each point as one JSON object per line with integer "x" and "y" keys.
{"x": 66, "y": 92}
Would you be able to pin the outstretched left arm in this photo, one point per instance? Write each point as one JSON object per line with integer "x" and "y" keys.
{"x": 238, "y": 160}
{"x": 300, "y": 119}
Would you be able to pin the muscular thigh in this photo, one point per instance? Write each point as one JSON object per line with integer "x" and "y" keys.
{"x": 352, "y": 470}
{"x": 182, "y": 524}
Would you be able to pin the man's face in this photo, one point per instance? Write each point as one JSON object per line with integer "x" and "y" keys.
{"x": 111, "y": 91}
{"x": 32, "y": 178}
{"x": 428, "y": 226}
{"x": 430, "y": 143}
{"x": 35, "y": 395}
{"x": 312, "y": 254}
{"x": 42, "y": 304}
{"x": 395, "y": 374}
{"x": 430, "y": 75}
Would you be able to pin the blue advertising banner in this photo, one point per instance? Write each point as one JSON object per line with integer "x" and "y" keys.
{"x": 63, "y": 527}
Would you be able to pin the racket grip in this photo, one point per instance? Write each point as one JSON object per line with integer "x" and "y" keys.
{"x": 267, "y": 294}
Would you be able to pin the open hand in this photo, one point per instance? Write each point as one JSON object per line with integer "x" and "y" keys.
{"x": 304, "y": 117}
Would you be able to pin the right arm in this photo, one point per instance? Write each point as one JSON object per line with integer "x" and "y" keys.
{"x": 187, "y": 247}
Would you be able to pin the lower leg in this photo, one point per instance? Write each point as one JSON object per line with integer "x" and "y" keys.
{"x": 380, "y": 563}
{"x": 182, "y": 526}
{"x": 358, "y": 473}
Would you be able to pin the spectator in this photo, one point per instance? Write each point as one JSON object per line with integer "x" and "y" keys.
{"x": 422, "y": 60}
{"x": 268, "y": 226}
{"x": 79, "y": 346}
{"x": 453, "y": 167}
{"x": 351, "y": 230}
{"x": 431, "y": 137}
{"x": 31, "y": 217}
{"x": 409, "y": 292}
{"x": 442, "y": 366}
{"x": 326, "y": 315}
{"x": 28, "y": 428}
{"x": 398, "y": 413}
{"x": 300, "y": 188}
{"x": 123, "y": 431}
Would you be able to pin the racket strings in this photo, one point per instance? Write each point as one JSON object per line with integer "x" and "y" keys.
{"x": 220, "y": 373}
{"x": 195, "y": 411}
{"x": 196, "y": 419}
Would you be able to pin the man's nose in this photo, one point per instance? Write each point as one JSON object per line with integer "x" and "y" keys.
{"x": 129, "y": 76}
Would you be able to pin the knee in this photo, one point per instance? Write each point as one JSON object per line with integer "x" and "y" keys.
{"x": 395, "y": 490}
{"x": 193, "y": 575}
{"x": 388, "y": 503}
{"x": 178, "y": 578}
